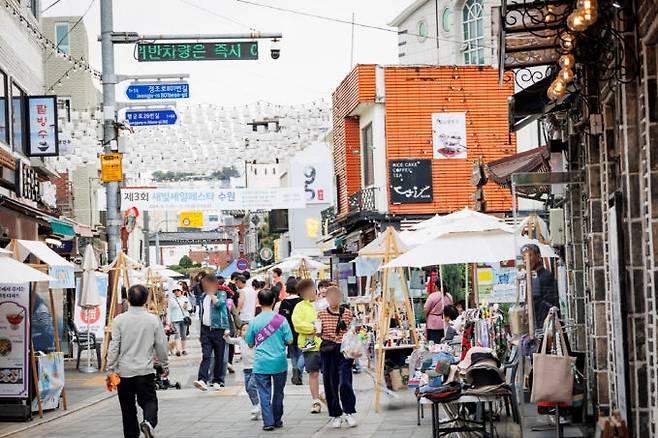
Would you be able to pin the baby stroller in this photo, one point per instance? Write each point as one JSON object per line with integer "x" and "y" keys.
{"x": 162, "y": 382}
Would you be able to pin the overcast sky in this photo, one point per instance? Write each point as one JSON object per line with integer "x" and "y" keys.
{"x": 315, "y": 54}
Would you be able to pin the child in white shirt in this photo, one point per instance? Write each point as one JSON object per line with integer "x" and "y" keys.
{"x": 247, "y": 355}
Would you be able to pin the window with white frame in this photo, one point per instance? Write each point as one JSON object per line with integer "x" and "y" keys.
{"x": 473, "y": 24}
{"x": 62, "y": 37}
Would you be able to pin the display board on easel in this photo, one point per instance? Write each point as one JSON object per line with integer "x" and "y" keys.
{"x": 120, "y": 269}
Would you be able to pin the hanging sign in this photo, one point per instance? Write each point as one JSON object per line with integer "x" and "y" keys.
{"x": 42, "y": 126}
{"x": 111, "y": 167}
{"x": 190, "y": 219}
{"x": 14, "y": 339}
{"x": 449, "y": 135}
{"x": 316, "y": 178}
{"x": 410, "y": 181}
{"x": 150, "y": 199}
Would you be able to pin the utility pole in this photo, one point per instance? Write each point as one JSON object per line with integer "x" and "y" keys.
{"x": 147, "y": 239}
{"x": 109, "y": 125}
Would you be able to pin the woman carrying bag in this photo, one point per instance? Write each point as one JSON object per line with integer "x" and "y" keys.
{"x": 433, "y": 309}
{"x": 336, "y": 368}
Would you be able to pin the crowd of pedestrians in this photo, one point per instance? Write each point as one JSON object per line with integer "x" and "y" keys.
{"x": 269, "y": 324}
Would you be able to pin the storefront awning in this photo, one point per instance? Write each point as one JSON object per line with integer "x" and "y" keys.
{"x": 62, "y": 228}
{"x": 534, "y": 160}
{"x": 40, "y": 250}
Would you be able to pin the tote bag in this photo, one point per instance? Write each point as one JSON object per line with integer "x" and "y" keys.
{"x": 552, "y": 373}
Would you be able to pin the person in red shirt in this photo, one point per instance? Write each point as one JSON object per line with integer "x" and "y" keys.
{"x": 431, "y": 286}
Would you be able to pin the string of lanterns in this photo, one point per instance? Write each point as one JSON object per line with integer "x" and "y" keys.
{"x": 48, "y": 45}
{"x": 585, "y": 14}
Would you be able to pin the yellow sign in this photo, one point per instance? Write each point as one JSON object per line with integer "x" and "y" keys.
{"x": 111, "y": 169}
{"x": 190, "y": 219}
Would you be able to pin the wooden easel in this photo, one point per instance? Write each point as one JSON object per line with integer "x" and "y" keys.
{"x": 120, "y": 269}
{"x": 53, "y": 313}
{"x": 388, "y": 308}
{"x": 303, "y": 271}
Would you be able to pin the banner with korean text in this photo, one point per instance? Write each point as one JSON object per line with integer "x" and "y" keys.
{"x": 153, "y": 199}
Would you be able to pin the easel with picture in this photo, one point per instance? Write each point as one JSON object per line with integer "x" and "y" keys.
{"x": 120, "y": 268}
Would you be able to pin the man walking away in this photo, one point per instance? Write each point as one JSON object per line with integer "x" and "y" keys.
{"x": 269, "y": 333}
{"x": 213, "y": 313}
{"x": 247, "y": 301}
{"x": 136, "y": 336}
{"x": 307, "y": 325}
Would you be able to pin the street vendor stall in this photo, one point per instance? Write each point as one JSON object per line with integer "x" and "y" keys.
{"x": 300, "y": 266}
{"x": 47, "y": 318}
{"x": 21, "y": 385}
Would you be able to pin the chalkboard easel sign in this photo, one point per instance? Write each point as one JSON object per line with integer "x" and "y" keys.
{"x": 410, "y": 181}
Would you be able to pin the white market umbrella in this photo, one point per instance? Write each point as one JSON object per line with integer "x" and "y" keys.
{"x": 14, "y": 271}
{"x": 377, "y": 247}
{"x": 295, "y": 262}
{"x": 89, "y": 296}
{"x": 163, "y": 271}
{"x": 474, "y": 221}
{"x": 469, "y": 247}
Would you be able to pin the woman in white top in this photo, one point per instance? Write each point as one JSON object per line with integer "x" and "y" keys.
{"x": 178, "y": 313}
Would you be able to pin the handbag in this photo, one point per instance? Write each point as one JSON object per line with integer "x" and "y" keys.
{"x": 186, "y": 319}
{"x": 552, "y": 373}
{"x": 331, "y": 347}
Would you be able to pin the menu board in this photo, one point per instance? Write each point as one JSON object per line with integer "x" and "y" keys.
{"x": 14, "y": 336}
{"x": 410, "y": 181}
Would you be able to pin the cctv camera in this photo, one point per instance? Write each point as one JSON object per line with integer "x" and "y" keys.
{"x": 275, "y": 49}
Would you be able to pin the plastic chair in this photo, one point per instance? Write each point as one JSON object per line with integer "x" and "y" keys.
{"x": 83, "y": 342}
{"x": 512, "y": 364}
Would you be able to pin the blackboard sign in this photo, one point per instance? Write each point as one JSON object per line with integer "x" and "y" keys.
{"x": 410, "y": 181}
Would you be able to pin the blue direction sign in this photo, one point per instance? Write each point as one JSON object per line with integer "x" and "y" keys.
{"x": 150, "y": 118}
{"x": 158, "y": 91}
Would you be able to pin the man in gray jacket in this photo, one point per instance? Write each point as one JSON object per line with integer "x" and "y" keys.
{"x": 136, "y": 336}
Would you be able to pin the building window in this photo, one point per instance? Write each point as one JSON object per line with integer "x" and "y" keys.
{"x": 446, "y": 20}
{"x": 17, "y": 111}
{"x": 367, "y": 156}
{"x": 62, "y": 37}
{"x": 473, "y": 22}
{"x": 422, "y": 31}
{"x": 4, "y": 110}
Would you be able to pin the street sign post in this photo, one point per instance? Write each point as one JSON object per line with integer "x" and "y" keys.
{"x": 186, "y": 51}
{"x": 151, "y": 117}
{"x": 242, "y": 264}
{"x": 158, "y": 91}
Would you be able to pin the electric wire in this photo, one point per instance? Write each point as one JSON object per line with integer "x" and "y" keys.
{"x": 51, "y": 5}
{"x": 211, "y": 12}
{"x": 91, "y": 3}
{"x": 349, "y": 22}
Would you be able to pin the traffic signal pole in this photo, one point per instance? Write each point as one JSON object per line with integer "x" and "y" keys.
{"x": 113, "y": 221}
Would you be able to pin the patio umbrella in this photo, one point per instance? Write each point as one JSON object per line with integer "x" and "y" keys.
{"x": 90, "y": 299}
{"x": 14, "y": 271}
{"x": 295, "y": 262}
{"x": 467, "y": 247}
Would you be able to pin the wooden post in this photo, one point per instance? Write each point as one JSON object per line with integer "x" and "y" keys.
{"x": 382, "y": 328}
{"x": 119, "y": 265}
{"x": 35, "y": 377}
{"x": 58, "y": 347}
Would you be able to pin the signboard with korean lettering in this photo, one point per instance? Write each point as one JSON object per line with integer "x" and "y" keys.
{"x": 449, "y": 136}
{"x": 191, "y": 51}
{"x": 111, "y": 169}
{"x": 151, "y": 117}
{"x": 410, "y": 181}
{"x": 158, "y": 91}
{"x": 14, "y": 339}
{"x": 42, "y": 126}
{"x": 150, "y": 199}
{"x": 316, "y": 178}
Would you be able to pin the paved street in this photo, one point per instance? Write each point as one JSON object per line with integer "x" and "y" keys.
{"x": 189, "y": 412}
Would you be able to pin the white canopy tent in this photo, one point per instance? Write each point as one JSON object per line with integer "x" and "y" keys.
{"x": 467, "y": 247}
{"x": 25, "y": 248}
{"x": 163, "y": 271}
{"x": 14, "y": 271}
{"x": 296, "y": 262}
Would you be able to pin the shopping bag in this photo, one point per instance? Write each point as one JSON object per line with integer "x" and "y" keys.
{"x": 552, "y": 373}
{"x": 518, "y": 319}
{"x": 353, "y": 345}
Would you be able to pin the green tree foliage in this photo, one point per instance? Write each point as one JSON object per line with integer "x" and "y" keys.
{"x": 454, "y": 278}
{"x": 185, "y": 262}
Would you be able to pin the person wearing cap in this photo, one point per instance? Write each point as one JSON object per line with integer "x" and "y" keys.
{"x": 544, "y": 287}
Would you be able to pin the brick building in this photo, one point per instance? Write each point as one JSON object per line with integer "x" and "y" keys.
{"x": 605, "y": 130}
{"x": 394, "y": 163}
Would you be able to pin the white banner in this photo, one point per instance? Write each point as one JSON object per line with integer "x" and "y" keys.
{"x": 93, "y": 319}
{"x": 316, "y": 178}
{"x": 449, "y": 135}
{"x": 14, "y": 339}
{"x": 212, "y": 199}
